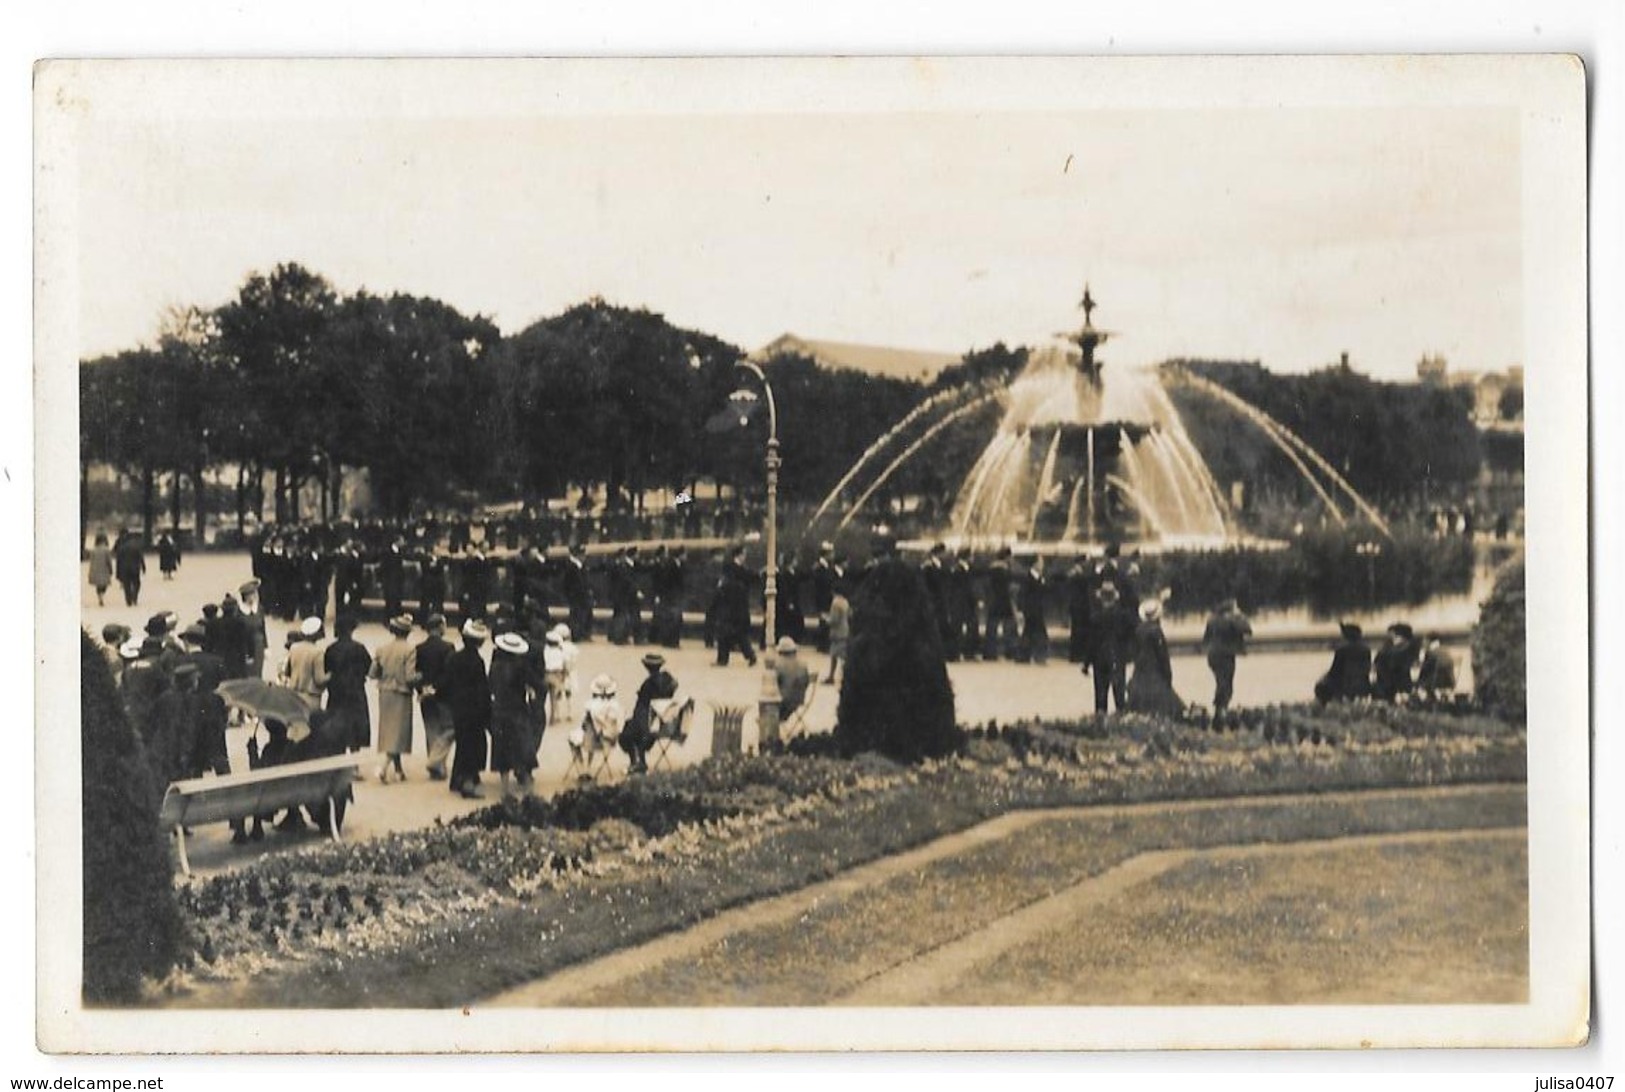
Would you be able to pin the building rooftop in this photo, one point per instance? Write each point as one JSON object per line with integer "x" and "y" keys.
{"x": 883, "y": 360}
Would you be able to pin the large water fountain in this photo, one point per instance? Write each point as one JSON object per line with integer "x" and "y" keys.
{"x": 1081, "y": 458}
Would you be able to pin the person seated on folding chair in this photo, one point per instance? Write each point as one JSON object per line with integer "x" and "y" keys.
{"x": 639, "y": 734}
{"x": 599, "y": 730}
{"x": 794, "y": 680}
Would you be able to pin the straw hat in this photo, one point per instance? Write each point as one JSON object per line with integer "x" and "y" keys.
{"x": 654, "y": 660}
{"x": 603, "y": 687}
{"x": 476, "y": 630}
{"x": 311, "y": 626}
{"x": 787, "y": 646}
{"x": 400, "y": 625}
{"x": 512, "y": 642}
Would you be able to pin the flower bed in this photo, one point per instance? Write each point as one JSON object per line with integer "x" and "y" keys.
{"x": 449, "y": 914}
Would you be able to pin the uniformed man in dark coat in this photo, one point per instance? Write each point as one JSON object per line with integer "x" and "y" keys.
{"x": 824, "y": 578}
{"x": 1111, "y": 646}
{"x": 962, "y": 588}
{"x": 733, "y": 610}
{"x": 129, "y": 562}
{"x": 347, "y": 579}
{"x": 933, "y": 571}
{"x": 1224, "y": 639}
{"x": 431, "y": 583}
{"x": 1031, "y": 601}
{"x": 475, "y": 574}
{"x": 466, "y": 690}
{"x": 1001, "y": 610}
{"x": 577, "y": 592}
{"x": 1077, "y": 610}
{"x": 392, "y": 578}
{"x": 623, "y": 596}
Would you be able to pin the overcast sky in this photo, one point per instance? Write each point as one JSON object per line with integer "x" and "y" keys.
{"x": 1281, "y": 235}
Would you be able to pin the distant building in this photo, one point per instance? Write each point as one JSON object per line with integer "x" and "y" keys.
{"x": 1489, "y": 387}
{"x": 917, "y": 364}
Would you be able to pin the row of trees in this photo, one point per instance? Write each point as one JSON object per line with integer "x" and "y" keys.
{"x": 295, "y": 383}
{"x": 1397, "y": 443}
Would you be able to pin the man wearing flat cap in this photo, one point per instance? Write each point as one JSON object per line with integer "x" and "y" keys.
{"x": 1224, "y": 639}
{"x": 253, "y": 622}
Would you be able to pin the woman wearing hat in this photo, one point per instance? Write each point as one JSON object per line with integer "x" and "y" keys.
{"x": 513, "y": 737}
{"x": 638, "y": 735}
{"x": 1151, "y": 689}
{"x": 1394, "y": 663}
{"x": 793, "y": 677}
{"x": 101, "y": 568}
{"x": 393, "y": 669}
{"x": 302, "y": 670}
{"x": 1350, "y": 674}
{"x": 345, "y": 666}
{"x": 467, "y": 692}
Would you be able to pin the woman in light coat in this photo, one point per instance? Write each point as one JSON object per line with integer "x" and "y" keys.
{"x": 101, "y": 568}
{"x": 392, "y": 667}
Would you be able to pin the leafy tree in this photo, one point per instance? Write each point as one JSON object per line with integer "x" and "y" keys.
{"x": 132, "y": 927}
{"x": 896, "y": 697}
{"x": 1393, "y": 441}
{"x": 612, "y": 395}
{"x": 1500, "y": 675}
{"x": 275, "y": 335}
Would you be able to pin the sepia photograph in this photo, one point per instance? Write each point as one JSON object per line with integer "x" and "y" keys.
{"x": 824, "y": 554}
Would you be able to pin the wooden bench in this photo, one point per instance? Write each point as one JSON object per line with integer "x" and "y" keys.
{"x": 221, "y": 799}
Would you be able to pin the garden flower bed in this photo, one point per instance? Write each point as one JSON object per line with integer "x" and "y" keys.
{"x": 447, "y": 915}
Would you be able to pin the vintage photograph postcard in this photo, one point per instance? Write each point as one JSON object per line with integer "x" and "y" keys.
{"x": 812, "y": 554}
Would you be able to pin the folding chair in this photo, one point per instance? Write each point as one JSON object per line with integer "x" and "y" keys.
{"x": 671, "y": 720}
{"x": 797, "y": 723}
{"x": 590, "y": 751}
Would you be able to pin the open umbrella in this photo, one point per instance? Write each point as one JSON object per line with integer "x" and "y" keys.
{"x": 268, "y": 701}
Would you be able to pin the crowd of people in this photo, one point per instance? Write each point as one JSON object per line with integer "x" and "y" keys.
{"x": 1402, "y": 665}
{"x": 486, "y": 711}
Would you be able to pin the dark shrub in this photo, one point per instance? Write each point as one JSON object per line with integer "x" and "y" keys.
{"x": 1499, "y": 674}
{"x": 132, "y": 926}
{"x": 896, "y": 698}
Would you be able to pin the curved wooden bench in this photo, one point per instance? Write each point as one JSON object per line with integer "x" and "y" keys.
{"x": 201, "y": 800}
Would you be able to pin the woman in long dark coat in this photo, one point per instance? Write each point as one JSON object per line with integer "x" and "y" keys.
{"x": 466, "y": 691}
{"x": 345, "y": 666}
{"x": 1151, "y": 689}
{"x": 1350, "y": 674}
{"x": 513, "y": 746}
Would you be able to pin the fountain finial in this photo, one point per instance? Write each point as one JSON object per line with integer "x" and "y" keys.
{"x": 1089, "y": 339}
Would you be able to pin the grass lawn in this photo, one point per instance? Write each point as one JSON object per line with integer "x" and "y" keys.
{"x": 847, "y": 938}
{"x": 445, "y": 917}
{"x": 1417, "y": 923}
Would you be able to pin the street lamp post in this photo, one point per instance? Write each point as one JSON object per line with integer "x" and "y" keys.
{"x": 767, "y": 709}
{"x": 1370, "y": 550}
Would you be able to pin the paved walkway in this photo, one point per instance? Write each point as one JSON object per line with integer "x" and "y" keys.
{"x": 921, "y": 976}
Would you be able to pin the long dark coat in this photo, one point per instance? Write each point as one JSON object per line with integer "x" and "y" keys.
{"x": 1151, "y": 689}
